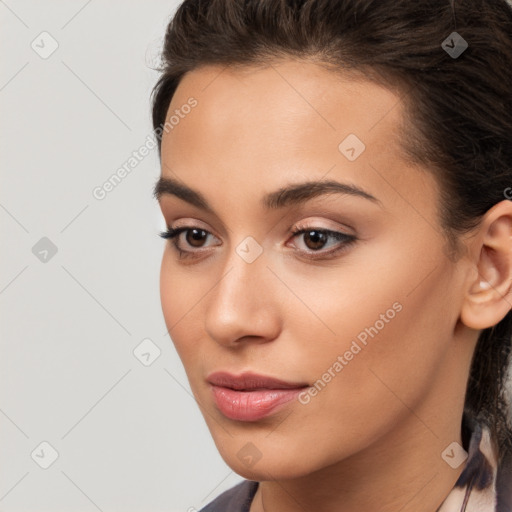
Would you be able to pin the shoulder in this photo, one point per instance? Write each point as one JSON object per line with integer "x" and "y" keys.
{"x": 236, "y": 499}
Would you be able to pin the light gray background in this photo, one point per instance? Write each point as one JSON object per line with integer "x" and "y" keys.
{"x": 129, "y": 437}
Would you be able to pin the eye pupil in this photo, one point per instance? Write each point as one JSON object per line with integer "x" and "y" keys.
{"x": 195, "y": 235}
{"x": 317, "y": 237}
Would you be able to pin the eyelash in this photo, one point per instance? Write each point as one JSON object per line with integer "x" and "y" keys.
{"x": 347, "y": 241}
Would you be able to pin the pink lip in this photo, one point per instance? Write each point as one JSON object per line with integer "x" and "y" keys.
{"x": 249, "y": 396}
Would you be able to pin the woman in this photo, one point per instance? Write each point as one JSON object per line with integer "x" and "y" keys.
{"x": 336, "y": 177}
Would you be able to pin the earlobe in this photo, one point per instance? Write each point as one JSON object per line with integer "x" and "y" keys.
{"x": 489, "y": 290}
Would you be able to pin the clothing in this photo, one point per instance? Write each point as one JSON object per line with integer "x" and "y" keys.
{"x": 236, "y": 499}
{"x": 481, "y": 487}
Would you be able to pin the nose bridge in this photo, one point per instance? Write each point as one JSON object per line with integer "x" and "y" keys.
{"x": 241, "y": 303}
{"x": 245, "y": 270}
{"x": 242, "y": 284}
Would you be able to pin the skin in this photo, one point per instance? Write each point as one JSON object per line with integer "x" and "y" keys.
{"x": 372, "y": 439}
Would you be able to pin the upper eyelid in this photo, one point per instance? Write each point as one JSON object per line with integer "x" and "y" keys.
{"x": 297, "y": 228}
{"x": 305, "y": 224}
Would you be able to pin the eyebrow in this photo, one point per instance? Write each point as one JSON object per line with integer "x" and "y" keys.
{"x": 287, "y": 196}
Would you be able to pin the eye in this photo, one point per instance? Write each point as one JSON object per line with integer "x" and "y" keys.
{"x": 194, "y": 237}
{"x": 316, "y": 239}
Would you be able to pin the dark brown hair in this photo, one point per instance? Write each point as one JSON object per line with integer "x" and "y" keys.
{"x": 458, "y": 109}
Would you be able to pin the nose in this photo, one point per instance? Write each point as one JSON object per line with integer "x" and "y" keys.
{"x": 244, "y": 305}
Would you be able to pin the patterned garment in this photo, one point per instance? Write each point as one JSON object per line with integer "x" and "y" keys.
{"x": 481, "y": 487}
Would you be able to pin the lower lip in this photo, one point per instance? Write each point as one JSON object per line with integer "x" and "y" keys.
{"x": 252, "y": 405}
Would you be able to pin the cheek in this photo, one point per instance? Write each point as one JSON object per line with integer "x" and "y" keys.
{"x": 169, "y": 284}
{"x": 365, "y": 372}
{"x": 391, "y": 335}
{"x": 179, "y": 297}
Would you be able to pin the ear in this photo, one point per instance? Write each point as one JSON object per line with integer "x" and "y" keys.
{"x": 489, "y": 286}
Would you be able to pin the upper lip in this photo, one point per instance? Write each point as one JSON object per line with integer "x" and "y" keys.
{"x": 250, "y": 381}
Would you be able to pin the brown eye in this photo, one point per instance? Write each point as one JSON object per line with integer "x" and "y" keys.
{"x": 314, "y": 240}
{"x": 322, "y": 243}
{"x": 195, "y": 237}
{"x": 185, "y": 246}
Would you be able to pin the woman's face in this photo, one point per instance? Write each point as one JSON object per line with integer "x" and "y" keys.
{"x": 366, "y": 322}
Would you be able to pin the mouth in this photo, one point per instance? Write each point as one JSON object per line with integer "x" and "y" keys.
{"x": 249, "y": 381}
{"x": 250, "y": 396}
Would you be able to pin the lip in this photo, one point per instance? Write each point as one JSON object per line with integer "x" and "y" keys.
{"x": 250, "y": 396}
{"x": 250, "y": 381}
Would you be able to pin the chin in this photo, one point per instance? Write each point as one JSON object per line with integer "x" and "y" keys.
{"x": 280, "y": 467}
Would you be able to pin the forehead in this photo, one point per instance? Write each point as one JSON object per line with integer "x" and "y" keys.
{"x": 255, "y": 128}
{"x": 291, "y": 100}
